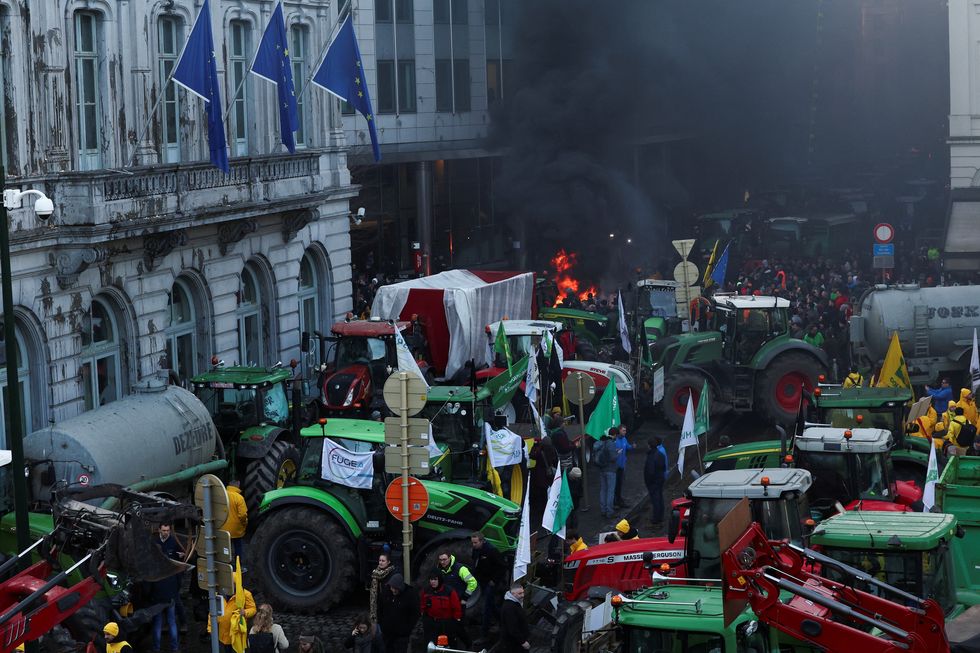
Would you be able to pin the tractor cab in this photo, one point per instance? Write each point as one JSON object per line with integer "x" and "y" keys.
{"x": 522, "y": 337}
{"x": 748, "y": 322}
{"x": 880, "y": 408}
{"x": 364, "y": 357}
{"x": 242, "y": 397}
{"x": 777, "y": 498}
{"x": 908, "y": 550}
{"x": 656, "y": 312}
{"x": 851, "y": 467}
{"x": 457, "y": 414}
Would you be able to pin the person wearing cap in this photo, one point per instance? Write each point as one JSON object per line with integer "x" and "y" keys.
{"x": 626, "y": 531}
{"x": 376, "y": 416}
{"x": 111, "y": 632}
{"x": 441, "y": 610}
{"x": 310, "y": 644}
{"x": 398, "y": 612}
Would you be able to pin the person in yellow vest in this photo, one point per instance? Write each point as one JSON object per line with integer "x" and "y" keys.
{"x": 231, "y": 612}
{"x": 968, "y": 405}
{"x": 575, "y": 542}
{"x": 237, "y": 520}
{"x": 111, "y": 632}
{"x": 957, "y": 422}
{"x": 853, "y": 379}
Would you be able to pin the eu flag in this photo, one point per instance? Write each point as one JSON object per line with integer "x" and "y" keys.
{"x": 721, "y": 267}
{"x": 272, "y": 63}
{"x": 197, "y": 71}
{"x": 342, "y": 74}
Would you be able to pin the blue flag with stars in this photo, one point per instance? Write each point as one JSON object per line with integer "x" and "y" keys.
{"x": 721, "y": 268}
{"x": 197, "y": 71}
{"x": 342, "y": 74}
{"x": 272, "y": 64}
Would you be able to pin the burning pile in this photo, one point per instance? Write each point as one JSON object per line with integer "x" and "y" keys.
{"x": 563, "y": 262}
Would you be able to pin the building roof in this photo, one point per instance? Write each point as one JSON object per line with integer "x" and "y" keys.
{"x": 526, "y": 327}
{"x": 738, "y": 483}
{"x": 869, "y": 529}
{"x": 750, "y": 301}
{"x": 368, "y": 328}
{"x": 828, "y": 438}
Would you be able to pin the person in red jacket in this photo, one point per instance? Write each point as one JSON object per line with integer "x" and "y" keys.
{"x": 442, "y": 612}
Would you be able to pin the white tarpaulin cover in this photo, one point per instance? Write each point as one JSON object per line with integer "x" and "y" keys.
{"x": 470, "y": 304}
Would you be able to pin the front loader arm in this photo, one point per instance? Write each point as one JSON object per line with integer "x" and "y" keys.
{"x": 824, "y": 612}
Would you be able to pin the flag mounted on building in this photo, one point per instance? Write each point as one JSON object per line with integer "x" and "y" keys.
{"x": 606, "y": 413}
{"x": 197, "y": 71}
{"x": 342, "y": 73}
{"x": 272, "y": 64}
{"x": 624, "y": 336}
{"x": 894, "y": 373}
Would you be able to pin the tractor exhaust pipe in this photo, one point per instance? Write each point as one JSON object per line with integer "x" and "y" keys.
{"x": 782, "y": 445}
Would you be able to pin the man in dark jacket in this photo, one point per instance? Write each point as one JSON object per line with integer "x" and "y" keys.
{"x": 488, "y": 568}
{"x": 442, "y": 613}
{"x": 398, "y": 612}
{"x": 514, "y": 631}
{"x": 167, "y": 591}
{"x": 654, "y": 475}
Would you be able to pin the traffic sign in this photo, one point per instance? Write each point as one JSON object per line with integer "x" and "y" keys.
{"x": 418, "y": 499}
{"x": 418, "y": 431}
{"x": 418, "y": 460}
{"x": 883, "y": 250}
{"x": 219, "y": 498}
{"x": 884, "y": 232}
{"x": 224, "y": 573}
{"x": 579, "y": 388}
{"x": 686, "y": 273}
{"x": 222, "y": 545}
{"x": 415, "y": 391}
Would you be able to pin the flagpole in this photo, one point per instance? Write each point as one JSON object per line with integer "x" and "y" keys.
{"x": 345, "y": 9}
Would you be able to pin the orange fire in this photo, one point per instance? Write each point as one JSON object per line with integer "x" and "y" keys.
{"x": 563, "y": 262}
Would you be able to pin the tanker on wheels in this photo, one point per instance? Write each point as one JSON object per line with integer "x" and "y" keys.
{"x": 746, "y": 355}
{"x": 934, "y": 326}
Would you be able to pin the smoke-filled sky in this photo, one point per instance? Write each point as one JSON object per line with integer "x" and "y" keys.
{"x": 744, "y": 88}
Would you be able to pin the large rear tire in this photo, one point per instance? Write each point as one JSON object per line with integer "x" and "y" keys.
{"x": 679, "y": 387}
{"x": 306, "y": 562}
{"x": 779, "y": 387}
{"x": 269, "y": 472}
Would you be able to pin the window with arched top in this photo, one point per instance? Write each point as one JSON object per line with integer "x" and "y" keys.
{"x": 182, "y": 336}
{"x": 23, "y": 386}
{"x": 250, "y": 318}
{"x": 102, "y": 370}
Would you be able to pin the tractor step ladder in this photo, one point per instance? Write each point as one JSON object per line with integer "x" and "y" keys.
{"x": 920, "y": 322}
{"x": 744, "y": 388}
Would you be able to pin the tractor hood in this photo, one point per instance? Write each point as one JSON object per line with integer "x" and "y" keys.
{"x": 347, "y": 386}
{"x": 462, "y": 508}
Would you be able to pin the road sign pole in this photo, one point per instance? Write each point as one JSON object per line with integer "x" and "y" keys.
{"x": 406, "y": 463}
{"x": 209, "y": 538}
{"x": 583, "y": 444}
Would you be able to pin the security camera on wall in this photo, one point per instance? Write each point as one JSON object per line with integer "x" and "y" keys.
{"x": 357, "y": 219}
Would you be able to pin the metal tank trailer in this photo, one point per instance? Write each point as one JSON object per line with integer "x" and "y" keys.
{"x": 157, "y": 437}
{"x": 935, "y": 327}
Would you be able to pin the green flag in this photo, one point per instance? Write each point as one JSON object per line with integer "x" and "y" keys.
{"x": 606, "y": 413}
{"x": 503, "y": 386}
{"x": 702, "y": 416}
{"x": 559, "y": 505}
{"x": 501, "y": 346}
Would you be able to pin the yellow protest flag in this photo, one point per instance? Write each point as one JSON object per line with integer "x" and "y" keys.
{"x": 894, "y": 373}
{"x": 239, "y": 627}
{"x": 711, "y": 266}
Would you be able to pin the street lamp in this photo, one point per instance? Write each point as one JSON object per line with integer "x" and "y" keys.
{"x": 44, "y": 207}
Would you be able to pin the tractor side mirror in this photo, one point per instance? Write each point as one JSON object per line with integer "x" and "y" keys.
{"x": 673, "y": 525}
{"x": 304, "y": 342}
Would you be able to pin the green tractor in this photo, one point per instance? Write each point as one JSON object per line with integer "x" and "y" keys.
{"x": 457, "y": 414}
{"x": 593, "y": 338}
{"x": 746, "y": 354}
{"x": 317, "y": 538}
{"x": 251, "y": 410}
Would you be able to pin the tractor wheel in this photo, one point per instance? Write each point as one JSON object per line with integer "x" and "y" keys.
{"x": 780, "y": 386}
{"x": 678, "y": 388}
{"x": 306, "y": 564}
{"x": 567, "y": 634}
{"x": 58, "y": 640}
{"x": 269, "y": 472}
{"x": 86, "y": 624}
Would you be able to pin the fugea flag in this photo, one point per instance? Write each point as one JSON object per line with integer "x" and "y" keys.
{"x": 688, "y": 438}
{"x": 702, "y": 417}
{"x": 624, "y": 335}
{"x": 559, "y": 505}
{"x": 975, "y": 364}
{"x": 406, "y": 360}
{"x": 932, "y": 477}
{"x": 606, "y": 413}
{"x": 522, "y": 557}
{"x": 346, "y": 467}
{"x": 504, "y": 447}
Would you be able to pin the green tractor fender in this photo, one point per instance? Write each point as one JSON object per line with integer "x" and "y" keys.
{"x": 256, "y": 441}
{"x": 315, "y": 498}
{"x": 780, "y": 347}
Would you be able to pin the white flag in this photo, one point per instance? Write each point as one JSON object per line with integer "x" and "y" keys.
{"x": 688, "y": 439}
{"x": 504, "y": 447}
{"x": 345, "y": 467}
{"x": 406, "y": 361}
{"x": 558, "y": 507}
{"x": 432, "y": 447}
{"x": 975, "y": 364}
{"x": 531, "y": 378}
{"x": 540, "y": 422}
{"x": 624, "y": 335}
{"x": 932, "y": 477}
{"x": 522, "y": 557}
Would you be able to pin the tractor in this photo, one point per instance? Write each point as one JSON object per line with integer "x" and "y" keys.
{"x": 744, "y": 351}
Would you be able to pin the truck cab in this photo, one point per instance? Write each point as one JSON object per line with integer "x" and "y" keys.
{"x": 908, "y": 550}
{"x": 777, "y": 498}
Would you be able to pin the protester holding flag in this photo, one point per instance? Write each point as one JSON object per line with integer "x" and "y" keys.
{"x": 238, "y": 608}
{"x": 655, "y": 472}
{"x": 894, "y": 372}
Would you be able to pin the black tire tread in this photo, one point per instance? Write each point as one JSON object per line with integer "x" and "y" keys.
{"x": 261, "y": 474}
{"x": 343, "y": 561}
